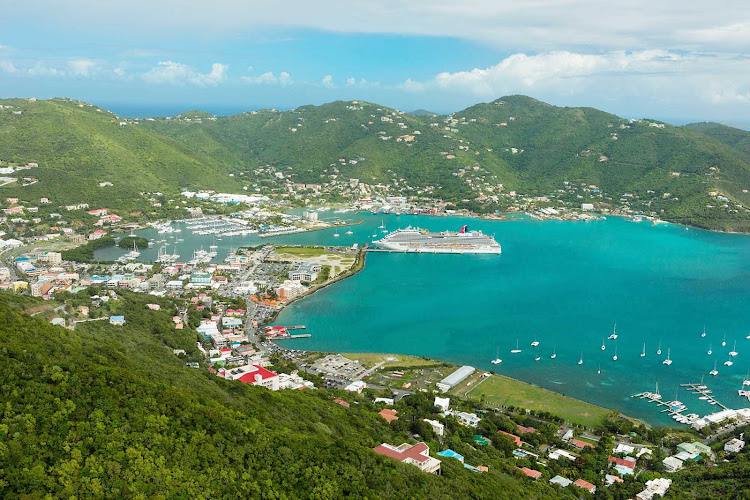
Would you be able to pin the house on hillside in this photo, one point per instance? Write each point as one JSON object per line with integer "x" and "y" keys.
{"x": 417, "y": 455}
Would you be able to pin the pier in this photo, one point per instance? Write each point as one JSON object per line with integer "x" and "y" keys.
{"x": 300, "y": 336}
{"x": 703, "y": 391}
{"x": 657, "y": 398}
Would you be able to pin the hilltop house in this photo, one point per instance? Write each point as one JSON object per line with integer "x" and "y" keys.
{"x": 417, "y": 455}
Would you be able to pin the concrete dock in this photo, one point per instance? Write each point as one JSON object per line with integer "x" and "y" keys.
{"x": 701, "y": 390}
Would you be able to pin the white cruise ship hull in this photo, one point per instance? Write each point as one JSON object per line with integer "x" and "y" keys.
{"x": 411, "y": 240}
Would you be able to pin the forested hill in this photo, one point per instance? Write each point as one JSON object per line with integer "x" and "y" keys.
{"x": 519, "y": 142}
{"x": 110, "y": 412}
{"x": 735, "y": 137}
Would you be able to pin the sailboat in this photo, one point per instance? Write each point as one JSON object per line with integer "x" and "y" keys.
{"x": 729, "y": 362}
{"x": 554, "y": 353}
{"x": 603, "y": 346}
{"x": 746, "y": 381}
{"x": 382, "y": 224}
{"x": 538, "y": 357}
{"x": 497, "y": 359}
{"x": 580, "y": 361}
{"x": 656, "y": 395}
{"x": 516, "y": 350}
{"x": 614, "y": 358}
{"x": 733, "y": 352}
{"x": 658, "y": 351}
{"x": 714, "y": 372}
{"x": 614, "y": 333}
{"x": 335, "y": 235}
{"x": 350, "y": 232}
{"x": 667, "y": 361}
{"x": 535, "y": 343}
{"x": 724, "y": 342}
{"x": 704, "y": 331}
{"x": 747, "y": 337}
{"x": 710, "y": 351}
{"x": 643, "y": 354}
{"x": 599, "y": 371}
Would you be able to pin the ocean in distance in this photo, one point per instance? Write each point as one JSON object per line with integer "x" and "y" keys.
{"x": 562, "y": 283}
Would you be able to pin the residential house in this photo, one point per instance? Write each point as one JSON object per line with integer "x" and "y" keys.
{"x": 437, "y": 427}
{"x": 672, "y": 464}
{"x": 654, "y": 487}
{"x": 417, "y": 455}
{"x": 470, "y": 419}
{"x": 513, "y": 437}
{"x": 585, "y": 485}
{"x": 561, "y": 481}
{"x": 580, "y": 444}
{"x": 388, "y": 414}
{"x": 117, "y": 320}
{"x": 252, "y": 374}
{"x": 734, "y": 445}
{"x": 533, "y": 474}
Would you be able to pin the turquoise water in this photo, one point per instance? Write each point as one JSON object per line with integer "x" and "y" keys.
{"x": 561, "y": 283}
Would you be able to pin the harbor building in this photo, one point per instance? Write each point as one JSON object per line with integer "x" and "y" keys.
{"x": 455, "y": 378}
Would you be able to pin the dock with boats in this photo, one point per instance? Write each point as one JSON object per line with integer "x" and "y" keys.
{"x": 704, "y": 393}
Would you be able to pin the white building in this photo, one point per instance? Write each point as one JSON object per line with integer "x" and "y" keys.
{"x": 442, "y": 403}
{"x": 470, "y": 419}
{"x": 437, "y": 427}
{"x": 555, "y": 454}
{"x": 654, "y": 487}
{"x": 672, "y": 464}
{"x": 455, "y": 378}
{"x": 734, "y": 446}
{"x": 357, "y": 386}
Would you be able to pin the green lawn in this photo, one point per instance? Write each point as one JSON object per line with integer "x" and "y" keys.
{"x": 506, "y": 391}
{"x": 371, "y": 359}
{"x": 302, "y": 251}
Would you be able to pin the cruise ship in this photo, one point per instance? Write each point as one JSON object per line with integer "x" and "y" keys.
{"x": 418, "y": 240}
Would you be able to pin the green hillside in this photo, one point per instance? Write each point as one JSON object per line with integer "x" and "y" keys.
{"x": 516, "y": 141}
{"x": 109, "y": 412}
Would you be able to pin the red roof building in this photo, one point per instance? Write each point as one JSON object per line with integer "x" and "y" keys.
{"x": 525, "y": 430}
{"x": 417, "y": 455}
{"x": 533, "y": 474}
{"x": 252, "y": 374}
{"x": 513, "y": 437}
{"x": 630, "y": 464}
{"x": 388, "y": 414}
{"x": 585, "y": 485}
{"x": 581, "y": 444}
{"x": 341, "y": 402}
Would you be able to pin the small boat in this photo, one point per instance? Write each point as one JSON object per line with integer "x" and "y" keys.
{"x": 724, "y": 342}
{"x": 667, "y": 361}
{"x": 603, "y": 346}
{"x": 580, "y": 361}
{"x": 535, "y": 343}
{"x": 614, "y": 333}
{"x": 710, "y": 351}
{"x": 729, "y": 362}
{"x": 704, "y": 331}
{"x": 704, "y": 398}
{"x": 643, "y": 354}
{"x": 733, "y": 352}
{"x": 746, "y": 381}
{"x": 374, "y": 235}
{"x": 554, "y": 353}
{"x": 599, "y": 371}
{"x": 538, "y": 357}
{"x": 656, "y": 395}
{"x": 350, "y": 232}
{"x": 714, "y": 372}
{"x": 747, "y": 337}
{"x": 497, "y": 359}
{"x": 335, "y": 235}
{"x": 516, "y": 350}
{"x": 382, "y": 224}
{"x": 658, "y": 351}
{"x": 614, "y": 358}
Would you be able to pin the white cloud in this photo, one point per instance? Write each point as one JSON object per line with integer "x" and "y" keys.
{"x": 269, "y": 78}
{"x": 350, "y": 82}
{"x": 250, "y": 68}
{"x": 327, "y": 82}
{"x": 175, "y": 73}
{"x": 82, "y": 67}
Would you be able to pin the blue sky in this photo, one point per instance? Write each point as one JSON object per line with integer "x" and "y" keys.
{"x": 677, "y": 61}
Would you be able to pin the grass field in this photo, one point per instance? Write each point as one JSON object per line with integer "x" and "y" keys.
{"x": 371, "y": 359}
{"x": 302, "y": 251}
{"x": 508, "y": 392}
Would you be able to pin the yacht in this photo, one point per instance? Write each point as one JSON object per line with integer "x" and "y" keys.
{"x": 667, "y": 361}
{"x": 728, "y": 362}
{"x": 643, "y": 354}
{"x": 535, "y": 343}
{"x": 658, "y": 351}
{"x": 497, "y": 359}
{"x": 714, "y": 372}
{"x": 382, "y": 224}
{"x": 746, "y": 381}
{"x": 580, "y": 361}
{"x": 516, "y": 350}
{"x": 603, "y": 346}
{"x": 710, "y": 351}
{"x": 656, "y": 395}
{"x": 554, "y": 353}
{"x": 747, "y": 337}
{"x": 614, "y": 358}
{"x": 614, "y": 333}
{"x": 350, "y": 232}
{"x": 733, "y": 352}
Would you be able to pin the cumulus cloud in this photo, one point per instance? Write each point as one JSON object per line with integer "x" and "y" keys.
{"x": 269, "y": 78}
{"x": 174, "y": 73}
{"x": 327, "y": 82}
{"x": 82, "y": 67}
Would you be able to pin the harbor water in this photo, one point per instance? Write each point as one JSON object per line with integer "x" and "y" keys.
{"x": 562, "y": 283}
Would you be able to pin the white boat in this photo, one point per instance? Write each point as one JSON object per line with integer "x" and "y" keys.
{"x": 704, "y": 331}
{"x": 554, "y": 353}
{"x": 350, "y": 232}
{"x": 747, "y": 337}
{"x": 656, "y": 395}
{"x": 382, "y": 224}
{"x": 746, "y": 381}
{"x": 497, "y": 359}
{"x": 516, "y": 350}
{"x": 614, "y": 358}
{"x": 603, "y": 346}
{"x": 710, "y": 351}
{"x": 614, "y": 333}
{"x": 724, "y": 342}
{"x": 580, "y": 361}
{"x": 643, "y": 354}
{"x": 374, "y": 235}
{"x": 728, "y": 362}
{"x": 538, "y": 357}
{"x": 658, "y": 351}
{"x": 535, "y": 343}
{"x": 335, "y": 235}
{"x": 714, "y": 372}
{"x": 733, "y": 352}
{"x": 599, "y": 371}
{"x": 667, "y": 361}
